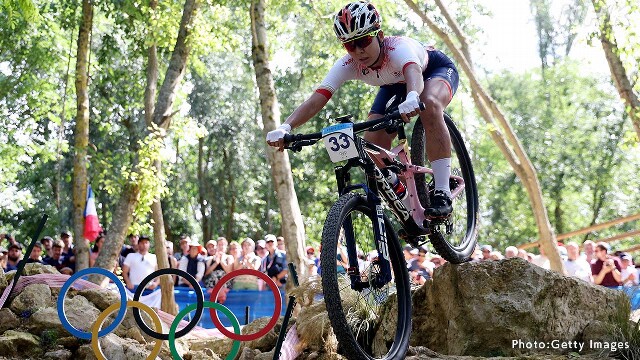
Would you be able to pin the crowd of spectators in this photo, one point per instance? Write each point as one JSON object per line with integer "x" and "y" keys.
{"x": 596, "y": 263}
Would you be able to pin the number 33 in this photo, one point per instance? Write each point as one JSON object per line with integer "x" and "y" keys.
{"x": 336, "y": 146}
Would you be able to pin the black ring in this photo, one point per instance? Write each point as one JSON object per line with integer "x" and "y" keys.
{"x": 199, "y": 303}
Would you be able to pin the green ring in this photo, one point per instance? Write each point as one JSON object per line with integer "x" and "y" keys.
{"x": 235, "y": 349}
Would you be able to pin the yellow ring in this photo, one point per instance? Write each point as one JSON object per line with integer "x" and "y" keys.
{"x": 95, "y": 344}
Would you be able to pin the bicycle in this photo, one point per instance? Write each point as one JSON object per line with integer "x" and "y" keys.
{"x": 358, "y": 291}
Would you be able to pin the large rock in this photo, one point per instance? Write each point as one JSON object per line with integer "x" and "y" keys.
{"x": 60, "y": 354}
{"x": 16, "y": 343}
{"x": 46, "y": 319}
{"x": 115, "y": 348}
{"x": 8, "y": 320}
{"x": 31, "y": 299}
{"x": 3, "y": 280}
{"x": 37, "y": 268}
{"x": 101, "y": 298}
{"x": 480, "y": 308}
{"x": 81, "y": 313}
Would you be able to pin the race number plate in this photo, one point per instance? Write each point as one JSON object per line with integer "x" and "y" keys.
{"x": 338, "y": 139}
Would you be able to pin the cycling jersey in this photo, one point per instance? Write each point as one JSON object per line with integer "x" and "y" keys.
{"x": 399, "y": 52}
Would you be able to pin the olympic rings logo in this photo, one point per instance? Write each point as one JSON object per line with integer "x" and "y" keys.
{"x": 97, "y": 331}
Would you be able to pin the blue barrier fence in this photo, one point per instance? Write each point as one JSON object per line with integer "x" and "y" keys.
{"x": 261, "y": 304}
{"x": 634, "y": 295}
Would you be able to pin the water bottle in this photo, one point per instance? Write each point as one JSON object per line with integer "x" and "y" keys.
{"x": 397, "y": 185}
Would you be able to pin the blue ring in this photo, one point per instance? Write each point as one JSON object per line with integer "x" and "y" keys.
{"x": 63, "y": 291}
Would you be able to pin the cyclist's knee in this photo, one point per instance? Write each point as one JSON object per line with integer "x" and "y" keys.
{"x": 433, "y": 107}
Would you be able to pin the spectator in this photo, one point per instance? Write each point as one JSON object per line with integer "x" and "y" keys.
{"x": 248, "y": 260}
{"x": 311, "y": 254}
{"x": 139, "y": 265}
{"x": 542, "y": 260}
{"x": 261, "y": 249}
{"x": 173, "y": 263}
{"x": 275, "y": 263}
{"x": 605, "y": 270}
{"x": 46, "y": 242}
{"x": 216, "y": 268}
{"x": 211, "y": 246}
{"x": 192, "y": 263}
{"x": 628, "y": 274}
{"x": 496, "y": 255}
{"x": 9, "y": 238}
{"x": 562, "y": 250}
{"x": 408, "y": 256}
{"x": 589, "y": 251}
{"x": 234, "y": 250}
{"x": 95, "y": 250}
{"x": 511, "y": 252}
{"x": 281, "y": 246}
{"x": 437, "y": 261}
{"x": 13, "y": 257}
{"x": 68, "y": 252}
{"x": 576, "y": 265}
{"x": 420, "y": 268}
{"x": 223, "y": 244}
{"x": 128, "y": 249}
{"x": 3, "y": 257}
{"x": 486, "y": 252}
{"x": 36, "y": 253}
{"x": 184, "y": 247}
{"x": 57, "y": 260}
{"x": 523, "y": 254}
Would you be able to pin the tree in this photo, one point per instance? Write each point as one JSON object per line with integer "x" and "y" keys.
{"x": 292, "y": 225}
{"x": 508, "y": 142}
{"x": 619, "y": 74}
{"x": 81, "y": 136}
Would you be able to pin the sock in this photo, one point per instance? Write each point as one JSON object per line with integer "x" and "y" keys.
{"x": 441, "y": 173}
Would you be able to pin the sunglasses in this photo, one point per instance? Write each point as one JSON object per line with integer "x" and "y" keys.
{"x": 361, "y": 42}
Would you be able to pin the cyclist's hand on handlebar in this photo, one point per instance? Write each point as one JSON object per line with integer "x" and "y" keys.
{"x": 275, "y": 137}
{"x": 410, "y": 107}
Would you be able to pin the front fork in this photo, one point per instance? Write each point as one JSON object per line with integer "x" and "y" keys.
{"x": 383, "y": 276}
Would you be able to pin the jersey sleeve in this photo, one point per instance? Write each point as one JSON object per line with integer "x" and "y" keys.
{"x": 407, "y": 51}
{"x": 343, "y": 70}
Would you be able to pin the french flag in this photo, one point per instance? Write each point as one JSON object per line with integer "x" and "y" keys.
{"x": 91, "y": 224}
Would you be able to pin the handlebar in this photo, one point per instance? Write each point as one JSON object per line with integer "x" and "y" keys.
{"x": 296, "y": 142}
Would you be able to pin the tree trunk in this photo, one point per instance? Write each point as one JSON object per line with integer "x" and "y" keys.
{"x": 508, "y": 143}
{"x": 81, "y": 137}
{"x": 618, "y": 72}
{"x": 162, "y": 118}
{"x": 292, "y": 225}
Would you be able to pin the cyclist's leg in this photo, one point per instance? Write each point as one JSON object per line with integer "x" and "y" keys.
{"x": 441, "y": 82}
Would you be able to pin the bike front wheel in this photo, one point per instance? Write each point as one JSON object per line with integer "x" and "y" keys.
{"x": 455, "y": 238}
{"x": 373, "y": 322}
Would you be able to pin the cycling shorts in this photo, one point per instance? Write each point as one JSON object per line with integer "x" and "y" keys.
{"x": 439, "y": 66}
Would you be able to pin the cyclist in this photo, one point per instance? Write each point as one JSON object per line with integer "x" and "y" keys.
{"x": 401, "y": 67}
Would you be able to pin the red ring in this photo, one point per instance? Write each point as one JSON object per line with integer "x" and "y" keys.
{"x": 276, "y": 312}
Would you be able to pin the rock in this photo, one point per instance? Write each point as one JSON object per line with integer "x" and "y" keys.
{"x": 480, "y": 308}
{"x": 80, "y": 313}
{"x": 218, "y": 346}
{"x": 116, "y": 348}
{"x": 45, "y": 319}
{"x": 205, "y": 354}
{"x": 85, "y": 352}
{"x": 266, "y": 342}
{"x": 3, "y": 280}
{"x": 69, "y": 342}
{"x": 61, "y": 354}
{"x": 16, "y": 343}
{"x": 31, "y": 299}
{"x": 8, "y": 320}
{"x": 36, "y": 268}
{"x": 101, "y": 298}
{"x": 248, "y": 354}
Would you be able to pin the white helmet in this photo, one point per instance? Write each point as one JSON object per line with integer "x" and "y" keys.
{"x": 356, "y": 19}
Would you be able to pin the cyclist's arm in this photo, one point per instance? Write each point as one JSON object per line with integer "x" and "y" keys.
{"x": 413, "y": 78}
{"x": 302, "y": 114}
{"x": 307, "y": 110}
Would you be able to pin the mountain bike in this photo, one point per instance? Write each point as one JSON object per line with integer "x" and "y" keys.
{"x": 367, "y": 292}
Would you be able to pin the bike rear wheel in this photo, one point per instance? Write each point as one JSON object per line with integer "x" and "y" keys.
{"x": 366, "y": 325}
{"x": 455, "y": 239}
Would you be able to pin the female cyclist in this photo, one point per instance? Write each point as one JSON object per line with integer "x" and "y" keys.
{"x": 401, "y": 67}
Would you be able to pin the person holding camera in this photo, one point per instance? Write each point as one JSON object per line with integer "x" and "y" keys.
{"x": 605, "y": 270}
